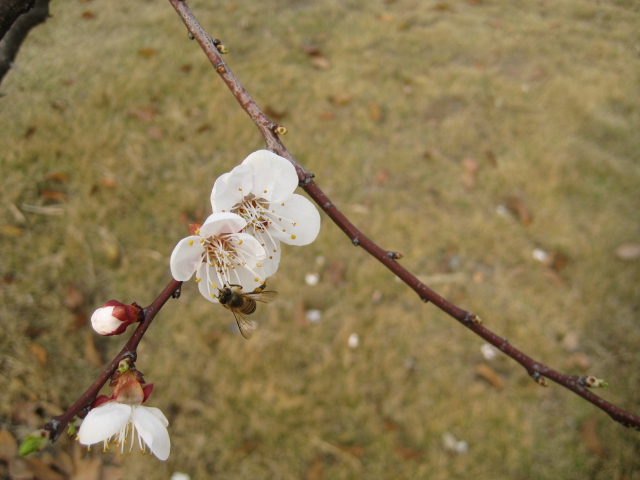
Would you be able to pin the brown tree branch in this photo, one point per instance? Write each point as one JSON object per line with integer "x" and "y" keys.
{"x": 535, "y": 369}
{"x": 17, "y": 18}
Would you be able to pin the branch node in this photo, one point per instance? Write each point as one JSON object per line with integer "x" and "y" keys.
{"x": 220, "y": 67}
{"x": 280, "y": 130}
{"x": 539, "y": 379}
{"x": 504, "y": 344}
{"x": 592, "y": 382}
{"x": 327, "y": 205}
{"x": 177, "y": 292}
{"x": 218, "y": 44}
{"x": 473, "y": 318}
{"x": 191, "y": 36}
{"x": 395, "y": 255}
{"x": 307, "y": 178}
{"x": 355, "y": 241}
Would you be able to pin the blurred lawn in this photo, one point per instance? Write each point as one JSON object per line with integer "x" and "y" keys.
{"x": 115, "y": 128}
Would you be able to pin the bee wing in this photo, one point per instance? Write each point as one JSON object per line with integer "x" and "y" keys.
{"x": 266, "y": 297}
{"x": 246, "y": 326}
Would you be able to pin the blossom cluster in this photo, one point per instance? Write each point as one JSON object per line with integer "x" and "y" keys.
{"x": 237, "y": 248}
{"x": 254, "y": 211}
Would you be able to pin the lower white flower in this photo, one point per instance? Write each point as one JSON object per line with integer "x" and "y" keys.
{"x": 220, "y": 255}
{"x": 120, "y": 421}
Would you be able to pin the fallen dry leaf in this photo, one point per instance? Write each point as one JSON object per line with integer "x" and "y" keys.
{"x": 299, "y": 314}
{"x": 147, "y": 52}
{"x": 628, "y": 251}
{"x": 87, "y": 469}
{"x": 61, "y": 177}
{"x": 469, "y": 171}
{"x": 311, "y": 50}
{"x": 53, "y": 195}
{"x": 374, "y": 111}
{"x": 341, "y": 99}
{"x": 73, "y": 298}
{"x": 490, "y": 375}
{"x": 111, "y": 472}
{"x": 8, "y": 446}
{"x": 11, "y": 231}
{"x": 336, "y": 272}
{"x": 19, "y": 470}
{"x": 519, "y": 210}
{"x": 29, "y": 132}
{"x": 42, "y": 471}
{"x": 355, "y": 450}
{"x": 275, "y": 113}
{"x": 589, "y": 431}
{"x": 26, "y": 412}
{"x": 146, "y": 114}
{"x": 39, "y": 352}
{"x": 91, "y": 352}
{"x": 63, "y": 462}
{"x": 316, "y": 469}
{"x": 155, "y": 133}
{"x": 386, "y": 17}
{"x": 381, "y": 177}
{"x": 321, "y": 62}
{"x": 407, "y": 453}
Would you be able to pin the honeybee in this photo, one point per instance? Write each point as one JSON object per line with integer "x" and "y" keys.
{"x": 242, "y": 304}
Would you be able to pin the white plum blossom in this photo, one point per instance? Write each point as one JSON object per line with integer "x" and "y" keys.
{"x": 118, "y": 421}
{"x": 260, "y": 190}
{"x": 117, "y": 418}
{"x": 220, "y": 254}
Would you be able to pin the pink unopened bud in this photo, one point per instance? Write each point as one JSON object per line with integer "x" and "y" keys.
{"x": 114, "y": 317}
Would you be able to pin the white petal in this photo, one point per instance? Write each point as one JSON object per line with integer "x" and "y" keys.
{"x": 296, "y": 209}
{"x": 186, "y": 257}
{"x": 103, "y": 422}
{"x": 273, "y": 176}
{"x": 249, "y": 279}
{"x": 104, "y": 322}
{"x": 273, "y": 251}
{"x": 222, "y": 222}
{"x": 205, "y": 288}
{"x": 231, "y": 188}
{"x": 158, "y": 413}
{"x": 153, "y": 430}
{"x": 250, "y": 246}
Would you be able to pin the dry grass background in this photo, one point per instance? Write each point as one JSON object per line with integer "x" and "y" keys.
{"x": 117, "y": 126}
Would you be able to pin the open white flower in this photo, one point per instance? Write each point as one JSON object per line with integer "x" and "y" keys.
{"x": 220, "y": 255}
{"x": 260, "y": 190}
{"x": 119, "y": 420}
{"x": 116, "y": 417}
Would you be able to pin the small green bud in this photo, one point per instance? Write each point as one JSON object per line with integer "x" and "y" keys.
{"x": 34, "y": 442}
{"x": 593, "y": 382}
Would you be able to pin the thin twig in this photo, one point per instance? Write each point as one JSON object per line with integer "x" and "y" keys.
{"x": 59, "y": 423}
{"x": 535, "y": 369}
